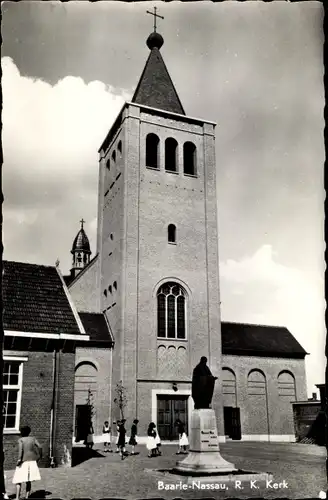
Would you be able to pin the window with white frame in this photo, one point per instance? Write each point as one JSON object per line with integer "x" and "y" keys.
{"x": 171, "y": 311}
{"x": 12, "y": 393}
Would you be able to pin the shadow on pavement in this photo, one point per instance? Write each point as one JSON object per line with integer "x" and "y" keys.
{"x": 36, "y": 495}
{"x": 80, "y": 455}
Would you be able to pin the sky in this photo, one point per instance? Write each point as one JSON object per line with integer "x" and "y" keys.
{"x": 254, "y": 68}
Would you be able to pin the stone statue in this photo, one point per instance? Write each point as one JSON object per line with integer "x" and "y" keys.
{"x": 202, "y": 385}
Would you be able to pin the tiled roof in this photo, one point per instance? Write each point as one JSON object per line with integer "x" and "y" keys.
{"x": 155, "y": 88}
{"x": 34, "y": 300}
{"x": 96, "y": 327}
{"x": 258, "y": 340}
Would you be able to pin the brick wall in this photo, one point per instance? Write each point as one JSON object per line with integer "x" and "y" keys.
{"x": 85, "y": 290}
{"x": 36, "y": 406}
{"x": 65, "y": 408}
{"x": 268, "y": 412}
{"x": 101, "y": 359}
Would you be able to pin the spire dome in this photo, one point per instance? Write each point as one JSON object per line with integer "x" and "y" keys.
{"x": 155, "y": 41}
{"x": 81, "y": 252}
{"x": 81, "y": 241}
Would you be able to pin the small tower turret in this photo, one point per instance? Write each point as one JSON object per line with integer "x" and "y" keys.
{"x": 81, "y": 251}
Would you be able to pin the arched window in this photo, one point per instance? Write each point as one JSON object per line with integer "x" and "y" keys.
{"x": 171, "y": 233}
{"x": 152, "y": 151}
{"x": 110, "y": 288}
{"x": 114, "y": 156}
{"x": 85, "y": 380}
{"x": 257, "y": 403}
{"x": 171, "y": 151}
{"x": 115, "y": 285}
{"x": 256, "y": 383}
{"x": 189, "y": 158}
{"x": 229, "y": 389}
{"x": 119, "y": 147}
{"x": 108, "y": 164}
{"x": 286, "y": 385}
{"x": 171, "y": 311}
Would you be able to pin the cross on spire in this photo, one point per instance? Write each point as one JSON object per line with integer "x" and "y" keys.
{"x": 82, "y": 222}
{"x": 155, "y": 15}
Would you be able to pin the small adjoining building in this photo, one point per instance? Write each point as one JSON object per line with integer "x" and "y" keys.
{"x": 310, "y": 418}
{"x": 41, "y": 331}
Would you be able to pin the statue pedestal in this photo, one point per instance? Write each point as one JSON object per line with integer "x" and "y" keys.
{"x": 204, "y": 454}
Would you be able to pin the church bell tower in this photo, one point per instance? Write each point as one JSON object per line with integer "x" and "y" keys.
{"x": 81, "y": 252}
{"x": 158, "y": 248}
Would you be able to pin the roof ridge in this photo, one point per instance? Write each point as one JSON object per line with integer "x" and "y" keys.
{"x": 90, "y": 312}
{"x": 5, "y": 261}
{"x": 254, "y": 324}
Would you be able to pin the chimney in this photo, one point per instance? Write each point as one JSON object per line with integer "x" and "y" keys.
{"x": 314, "y": 396}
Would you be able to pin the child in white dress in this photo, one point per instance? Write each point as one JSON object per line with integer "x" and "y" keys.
{"x": 183, "y": 439}
{"x": 27, "y": 470}
{"x": 151, "y": 441}
{"x": 106, "y": 437}
{"x": 157, "y": 441}
{"x": 118, "y": 423}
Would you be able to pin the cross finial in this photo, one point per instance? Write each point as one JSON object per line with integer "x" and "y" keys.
{"x": 155, "y": 15}
{"x": 82, "y": 222}
{"x": 57, "y": 262}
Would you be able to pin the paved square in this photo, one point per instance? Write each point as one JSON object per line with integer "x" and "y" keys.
{"x": 298, "y": 469}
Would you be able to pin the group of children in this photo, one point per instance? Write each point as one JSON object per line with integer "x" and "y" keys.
{"x": 153, "y": 439}
{"x": 30, "y": 451}
{"x": 121, "y": 437}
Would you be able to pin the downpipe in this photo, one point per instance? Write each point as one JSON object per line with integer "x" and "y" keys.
{"x": 53, "y": 409}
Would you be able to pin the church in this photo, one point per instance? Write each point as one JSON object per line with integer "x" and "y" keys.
{"x": 146, "y": 307}
{"x": 155, "y": 277}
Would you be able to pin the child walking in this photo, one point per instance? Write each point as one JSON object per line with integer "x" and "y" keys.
{"x": 89, "y": 439}
{"x": 183, "y": 439}
{"x": 118, "y": 423}
{"x": 106, "y": 437}
{"x": 121, "y": 438}
{"x": 27, "y": 470}
{"x": 151, "y": 442}
{"x": 133, "y": 437}
{"x": 158, "y": 442}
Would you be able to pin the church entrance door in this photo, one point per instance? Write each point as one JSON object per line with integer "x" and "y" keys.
{"x": 82, "y": 419}
{"x": 232, "y": 425}
{"x": 169, "y": 409}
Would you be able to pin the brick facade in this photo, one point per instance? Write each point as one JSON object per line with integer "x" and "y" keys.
{"x": 136, "y": 206}
{"x": 100, "y": 358}
{"x": 269, "y": 413}
{"x": 37, "y": 392}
